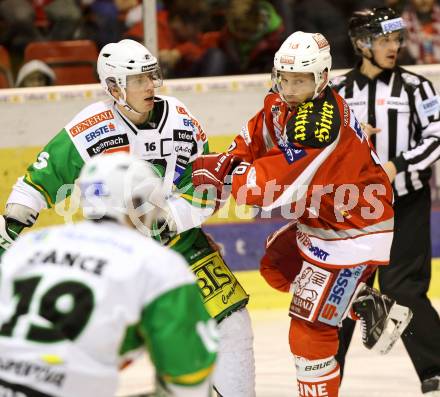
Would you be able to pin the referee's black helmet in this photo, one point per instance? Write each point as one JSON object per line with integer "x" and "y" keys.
{"x": 370, "y": 23}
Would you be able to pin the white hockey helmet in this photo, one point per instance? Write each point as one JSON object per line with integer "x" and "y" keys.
{"x": 127, "y": 57}
{"x": 119, "y": 185}
{"x": 304, "y": 53}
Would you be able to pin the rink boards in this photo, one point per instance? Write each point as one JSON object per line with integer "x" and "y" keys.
{"x": 241, "y": 238}
{"x": 31, "y": 117}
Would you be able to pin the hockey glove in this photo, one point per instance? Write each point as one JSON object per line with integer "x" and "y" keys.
{"x": 9, "y": 231}
{"x": 214, "y": 169}
{"x": 17, "y": 217}
{"x": 164, "y": 230}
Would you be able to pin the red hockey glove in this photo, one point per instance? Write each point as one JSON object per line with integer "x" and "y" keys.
{"x": 212, "y": 169}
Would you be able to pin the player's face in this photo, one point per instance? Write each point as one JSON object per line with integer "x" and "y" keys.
{"x": 386, "y": 48}
{"x": 140, "y": 92}
{"x": 296, "y": 87}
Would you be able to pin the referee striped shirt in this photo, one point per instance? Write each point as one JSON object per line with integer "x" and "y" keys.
{"x": 406, "y": 108}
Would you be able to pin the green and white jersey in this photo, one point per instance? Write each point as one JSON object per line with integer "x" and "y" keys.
{"x": 171, "y": 140}
{"x": 76, "y": 299}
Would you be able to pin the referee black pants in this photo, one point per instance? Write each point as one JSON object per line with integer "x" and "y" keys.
{"x": 406, "y": 279}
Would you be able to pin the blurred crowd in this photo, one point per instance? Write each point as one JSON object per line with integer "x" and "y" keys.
{"x": 205, "y": 37}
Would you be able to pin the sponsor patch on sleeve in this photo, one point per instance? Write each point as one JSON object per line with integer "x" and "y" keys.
{"x": 244, "y": 132}
{"x": 356, "y": 127}
{"x": 181, "y": 110}
{"x": 430, "y": 106}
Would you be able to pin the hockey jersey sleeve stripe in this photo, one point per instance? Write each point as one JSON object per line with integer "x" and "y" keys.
{"x": 27, "y": 178}
{"x": 423, "y": 155}
{"x": 429, "y": 159}
{"x": 192, "y": 199}
{"x": 418, "y": 153}
{"x": 266, "y": 136}
{"x": 189, "y": 379}
{"x": 174, "y": 241}
{"x": 25, "y": 194}
{"x": 368, "y": 248}
{"x": 329, "y": 234}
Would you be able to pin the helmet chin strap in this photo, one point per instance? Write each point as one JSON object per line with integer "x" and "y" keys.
{"x": 123, "y": 102}
{"x": 373, "y": 61}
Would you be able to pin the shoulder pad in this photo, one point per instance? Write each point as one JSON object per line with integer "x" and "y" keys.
{"x": 272, "y": 98}
{"x": 316, "y": 123}
{"x": 175, "y": 105}
{"x": 411, "y": 79}
{"x": 89, "y": 117}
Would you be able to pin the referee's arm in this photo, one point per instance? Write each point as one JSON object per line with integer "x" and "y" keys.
{"x": 427, "y": 120}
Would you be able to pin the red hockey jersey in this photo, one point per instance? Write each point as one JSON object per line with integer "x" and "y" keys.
{"x": 317, "y": 164}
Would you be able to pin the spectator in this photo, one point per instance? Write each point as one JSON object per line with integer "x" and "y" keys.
{"x": 423, "y": 24}
{"x": 253, "y": 33}
{"x": 35, "y": 74}
{"x": 329, "y": 18}
{"x": 17, "y": 27}
{"x": 101, "y": 21}
{"x": 286, "y": 9}
{"x": 64, "y": 19}
{"x": 396, "y": 5}
{"x": 185, "y": 50}
{"x": 24, "y": 21}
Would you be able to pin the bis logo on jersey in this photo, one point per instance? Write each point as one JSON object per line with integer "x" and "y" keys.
{"x": 219, "y": 288}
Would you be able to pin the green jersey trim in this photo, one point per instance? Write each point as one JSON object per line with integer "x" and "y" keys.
{"x": 169, "y": 331}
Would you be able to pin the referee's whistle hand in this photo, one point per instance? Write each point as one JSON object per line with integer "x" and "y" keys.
{"x": 369, "y": 129}
{"x": 391, "y": 170}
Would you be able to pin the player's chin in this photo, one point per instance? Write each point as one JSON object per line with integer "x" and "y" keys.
{"x": 390, "y": 62}
{"x": 293, "y": 101}
{"x": 147, "y": 105}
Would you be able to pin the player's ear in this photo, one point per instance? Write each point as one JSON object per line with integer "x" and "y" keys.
{"x": 325, "y": 77}
{"x": 113, "y": 88}
{"x": 363, "y": 46}
{"x": 115, "y": 92}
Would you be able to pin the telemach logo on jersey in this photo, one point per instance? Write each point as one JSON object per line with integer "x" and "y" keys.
{"x": 219, "y": 288}
{"x": 111, "y": 144}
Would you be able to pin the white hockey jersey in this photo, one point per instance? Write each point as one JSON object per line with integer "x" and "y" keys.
{"x": 75, "y": 299}
{"x": 171, "y": 142}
